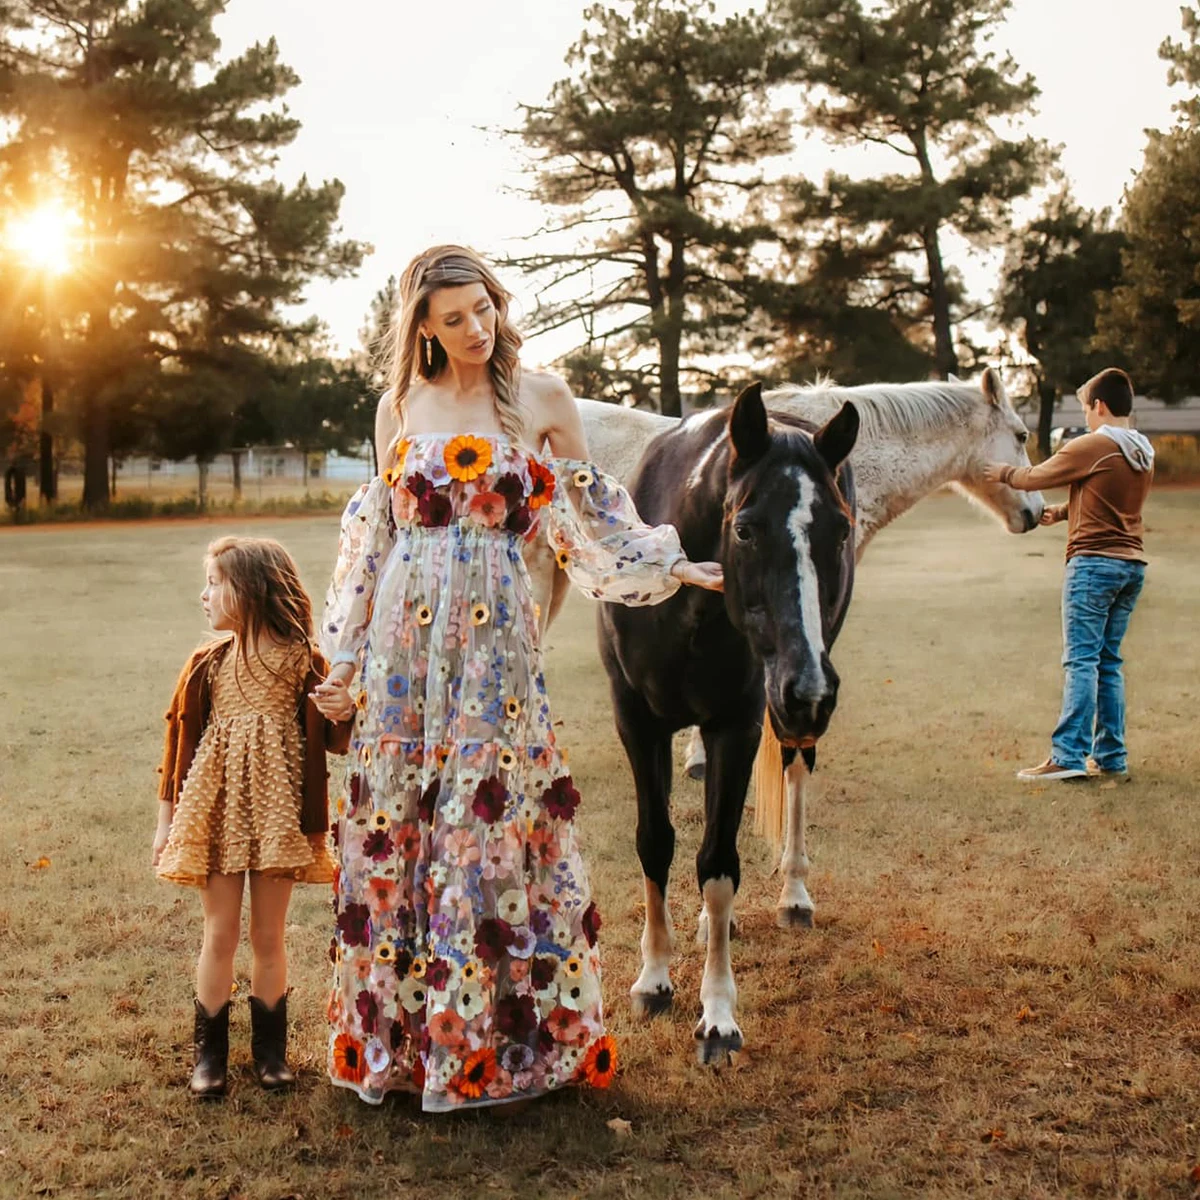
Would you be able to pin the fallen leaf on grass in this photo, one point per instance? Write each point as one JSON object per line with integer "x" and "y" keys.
{"x": 41, "y": 864}
{"x": 1195, "y": 1174}
{"x": 620, "y": 1126}
{"x": 878, "y": 947}
{"x": 344, "y": 1131}
{"x": 992, "y": 1135}
{"x": 1026, "y": 1014}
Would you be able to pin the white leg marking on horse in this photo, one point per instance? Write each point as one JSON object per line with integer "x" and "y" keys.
{"x": 799, "y": 522}
{"x": 795, "y": 907}
{"x": 718, "y": 1033}
{"x": 693, "y": 766}
{"x": 652, "y": 992}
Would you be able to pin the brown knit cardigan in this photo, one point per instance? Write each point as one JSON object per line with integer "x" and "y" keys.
{"x": 188, "y": 715}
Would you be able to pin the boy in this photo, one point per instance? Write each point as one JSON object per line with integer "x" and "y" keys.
{"x": 1109, "y": 471}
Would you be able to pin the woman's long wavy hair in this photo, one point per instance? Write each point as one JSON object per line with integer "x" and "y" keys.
{"x": 409, "y": 357}
{"x": 267, "y": 595}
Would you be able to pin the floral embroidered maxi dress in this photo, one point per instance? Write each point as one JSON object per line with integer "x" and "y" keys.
{"x": 465, "y": 960}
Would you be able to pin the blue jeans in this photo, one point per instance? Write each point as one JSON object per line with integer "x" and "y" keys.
{"x": 1098, "y": 599}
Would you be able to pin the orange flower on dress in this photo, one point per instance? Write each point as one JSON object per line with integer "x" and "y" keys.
{"x": 467, "y": 457}
{"x": 392, "y": 475}
{"x": 542, "y": 481}
{"x": 478, "y": 1071}
{"x": 447, "y": 1028}
{"x": 600, "y": 1062}
{"x": 348, "y": 1060}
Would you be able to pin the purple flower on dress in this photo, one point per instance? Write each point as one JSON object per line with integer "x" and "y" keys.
{"x": 516, "y": 1058}
{"x": 441, "y": 925}
{"x": 561, "y": 799}
{"x": 539, "y": 921}
{"x": 353, "y": 924}
{"x": 491, "y": 797}
{"x": 524, "y": 942}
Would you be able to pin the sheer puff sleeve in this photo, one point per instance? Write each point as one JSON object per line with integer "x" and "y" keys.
{"x": 603, "y": 545}
{"x": 367, "y": 536}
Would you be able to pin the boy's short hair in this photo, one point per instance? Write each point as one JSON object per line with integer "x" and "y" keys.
{"x": 1114, "y": 387}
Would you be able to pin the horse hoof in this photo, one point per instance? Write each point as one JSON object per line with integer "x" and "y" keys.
{"x": 714, "y": 1048}
{"x": 794, "y": 917}
{"x": 694, "y": 771}
{"x": 651, "y": 1004}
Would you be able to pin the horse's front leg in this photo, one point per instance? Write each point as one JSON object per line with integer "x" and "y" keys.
{"x": 693, "y": 763}
{"x": 730, "y": 759}
{"x": 648, "y": 746}
{"x": 795, "y": 906}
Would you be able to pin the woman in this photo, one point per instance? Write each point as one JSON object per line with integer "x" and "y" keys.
{"x": 465, "y": 959}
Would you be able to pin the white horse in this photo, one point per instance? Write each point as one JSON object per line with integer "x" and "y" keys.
{"x": 914, "y": 438}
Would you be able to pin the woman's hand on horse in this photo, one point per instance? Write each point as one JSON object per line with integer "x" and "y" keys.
{"x": 1052, "y": 514}
{"x": 994, "y": 472}
{"x": 704, "y": 574}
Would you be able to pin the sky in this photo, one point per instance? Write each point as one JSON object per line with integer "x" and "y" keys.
{"x": 403, "y": 101}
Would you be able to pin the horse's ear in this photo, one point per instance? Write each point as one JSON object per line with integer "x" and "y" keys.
{"x": 748, "y": 427}
{"x": 835, "y": 439}
{"x": 993, "y": 387}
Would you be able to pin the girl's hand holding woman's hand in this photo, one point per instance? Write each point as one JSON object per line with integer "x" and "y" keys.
{"x": 332, "y": 696}
{"x": 708, "y": 575}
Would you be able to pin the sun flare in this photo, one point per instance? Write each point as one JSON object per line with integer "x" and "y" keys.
{"x": 42, "y": 238}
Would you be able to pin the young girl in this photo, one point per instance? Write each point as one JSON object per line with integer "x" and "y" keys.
{"x": 244, "y": 790}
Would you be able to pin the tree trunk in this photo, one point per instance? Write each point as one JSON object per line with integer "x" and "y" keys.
{"x": 1047, "y": 398}
{"x": 945, "y": 360}
{"x": 202, "y": 482}
{"x": 670, "y": 338}
{"x": 47, "y": 480}
{"x": 670, "y": 399}
{"x": 95, "y": 453}
{"x": 236, "y": 456}
{"x": 112, "y": 491}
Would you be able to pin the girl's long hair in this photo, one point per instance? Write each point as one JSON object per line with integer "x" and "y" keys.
{"x": 405, "y": 356}
{"x": 265, "y": 591}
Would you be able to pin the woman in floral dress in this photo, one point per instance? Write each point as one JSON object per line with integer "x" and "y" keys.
{"x": 465, "y": 958}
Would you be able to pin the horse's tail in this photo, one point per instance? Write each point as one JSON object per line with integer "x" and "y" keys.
{"x": 770, "y": 789}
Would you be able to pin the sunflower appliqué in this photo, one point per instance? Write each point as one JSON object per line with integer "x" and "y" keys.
{"x": 583, "y": 478}
{"x": 467, "y": 457}
{"x": 480, "y": 613}
{"x": 541, "y": 484}
{"x": 562, "y": 558}
{"x": 424, "y": 614}
{"x": 380, "y": 821}
{"x": 512, "y": 708}
{"x": 395, "y": 472}
{"x": 600, "y": 1063}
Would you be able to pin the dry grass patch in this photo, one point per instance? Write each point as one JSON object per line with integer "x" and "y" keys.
{"x": 1002, "y": 992}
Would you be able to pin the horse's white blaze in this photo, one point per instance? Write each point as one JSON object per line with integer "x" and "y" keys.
{"x": 793, "y": 866}
{"x": 658, "y": 944}
{"x": 718, "y": 992}
{"x": 700, "y": 470}
{"x": 799, "y": 522}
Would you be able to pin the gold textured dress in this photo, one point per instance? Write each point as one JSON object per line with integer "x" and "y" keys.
{"x": 239, "y": 809}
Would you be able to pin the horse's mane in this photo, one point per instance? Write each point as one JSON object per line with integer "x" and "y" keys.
{"x": 895, "y": 409}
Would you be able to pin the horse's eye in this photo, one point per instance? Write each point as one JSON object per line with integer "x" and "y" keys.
{"x": 743, "y": 533}
{"x": 1023, "y": 436}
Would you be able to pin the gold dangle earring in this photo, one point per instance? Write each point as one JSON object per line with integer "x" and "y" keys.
{"x": 428, "y": 352}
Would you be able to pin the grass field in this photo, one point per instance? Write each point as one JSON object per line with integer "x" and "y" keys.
{"x": 1001, "y": 995}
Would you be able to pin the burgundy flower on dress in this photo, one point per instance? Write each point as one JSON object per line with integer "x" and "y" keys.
{"x": 352, "y": 924}
{"x": 509, "y": 486}
{"x": 543, "y": 971}
{"x": 591, "y": 923}
{"x": 355, "y": 790}
{"x": 368, "y": 1010}
{"x": 435, "y": 509}
{"x": 437, "y": 975}
{"x": 561, "y": 799}
{"x": 519, "y": 520}
{"x": 377, "y": 845}
{"x": 493, "y": 936}
{"x": 428, "y": 800}
{"x": 491, "y": 798}
{"x": 516, "y": 1017}
{"x": 418, "y": 485}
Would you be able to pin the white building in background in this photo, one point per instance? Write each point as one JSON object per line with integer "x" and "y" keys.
{"x": 277, "y": 464}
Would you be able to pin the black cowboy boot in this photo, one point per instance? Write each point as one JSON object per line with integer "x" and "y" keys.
{"x": 210, "y": 1056}
{"x": 268, "y": 1043}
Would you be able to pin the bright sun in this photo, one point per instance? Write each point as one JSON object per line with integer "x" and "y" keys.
{"x": 42, "y": 238}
